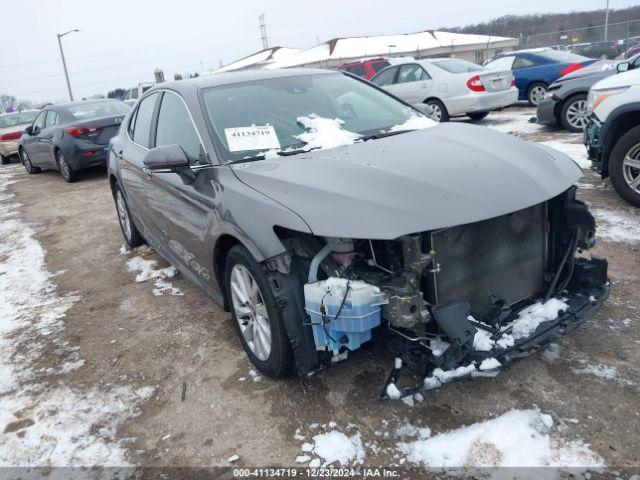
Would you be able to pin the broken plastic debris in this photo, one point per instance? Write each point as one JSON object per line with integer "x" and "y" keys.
{"x": 233, "y": 458}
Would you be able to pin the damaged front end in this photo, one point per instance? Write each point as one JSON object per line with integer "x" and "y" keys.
{"x": 461, "y": 302}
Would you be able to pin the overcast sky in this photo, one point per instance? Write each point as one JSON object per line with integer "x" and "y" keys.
{"x": 122, "y": 42}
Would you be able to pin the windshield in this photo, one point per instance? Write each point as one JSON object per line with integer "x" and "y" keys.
{"x": 21, "y": 118}
{"x": 457, "y": 66}
{"x": 562, "y": 57}
{"x": 87, "y": 110}
{"x": 302, "y": 112}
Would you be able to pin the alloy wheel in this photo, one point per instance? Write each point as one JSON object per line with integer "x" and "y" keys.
{"x": 436, "y": 112}
{"x": 631, "y": 168}
{"x": 123, "y": 215}
{"x": 537, "y": 94}
{"x": 26, "y": 161}
{"x": 251, "y": 311}
{"x": 65, "y": 170}
{"x": 577, "y": 114}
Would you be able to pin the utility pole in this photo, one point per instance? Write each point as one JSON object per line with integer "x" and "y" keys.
{"x": 263, "y": 32}
{"x": 64, "y": 63}
{"x": 606, "y": 22}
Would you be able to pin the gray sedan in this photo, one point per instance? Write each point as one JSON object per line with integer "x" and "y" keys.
{"x": 321, "y": 211}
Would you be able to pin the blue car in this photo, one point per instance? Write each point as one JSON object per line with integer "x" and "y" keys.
{"x": 534, "y": 70}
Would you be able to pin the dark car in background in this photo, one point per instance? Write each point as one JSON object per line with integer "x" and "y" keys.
{"x": 536, "y": 69}
{"x": 70, "y": 137}
{"x": 597, "y": 50}
{"x": 565, "y": 104}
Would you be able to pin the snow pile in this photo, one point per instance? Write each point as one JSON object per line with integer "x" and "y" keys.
{"x": 528, "y": 320}
{"x": 46, "y": 422}
{"x": 439, "y": 376}
{"x": 531, "y": 317}
{"x": 415, "y": 122}
{"x": 518, "y": 438}
{"x": 514, "y": 121}
{"x": 147, "y": 271}
{"x": 489, "y": 364}
{"x": 618, "y": 226}
{"x": 336, "y": 447}
{"x": 325, "y": 132}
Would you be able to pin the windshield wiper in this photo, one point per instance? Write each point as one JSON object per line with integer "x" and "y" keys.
{"x": 281, "y": 153}
{"x": 375, "y": 136}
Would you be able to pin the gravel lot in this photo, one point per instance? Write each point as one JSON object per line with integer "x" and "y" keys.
{"x": 122, "y": 374}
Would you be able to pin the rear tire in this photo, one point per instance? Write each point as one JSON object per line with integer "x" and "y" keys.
{"x": 440, "y": 113}
{"x": 573, "y": 114}
{"x": 536, "y": 93}
{"x": 26, "y": 162}
{"x": 254, "y": 311}
{"x": 475, "y": 116}
{"x": 624, "y": 166}
{"x": 3, "y": 160}
{"x": 66, "y": 171}
{"x": 129, "y": 230}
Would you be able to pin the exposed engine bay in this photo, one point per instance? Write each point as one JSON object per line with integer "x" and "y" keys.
{"x": 460, "y": 302}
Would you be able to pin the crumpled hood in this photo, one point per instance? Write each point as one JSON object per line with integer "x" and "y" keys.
{"x": 449, "y": 175}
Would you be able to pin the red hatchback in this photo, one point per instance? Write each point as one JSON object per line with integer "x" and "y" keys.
{"x": 366, "y": 68}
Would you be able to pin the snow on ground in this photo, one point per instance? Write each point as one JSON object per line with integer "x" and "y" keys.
{"x": 568, "y": 146}
{"x": 514, "y": 120}
{"x": 621, "y": 225}
{"x": 518, "y": 438}
{"x": 45, "y": 420}
{"x": 605, "y": 372}
{"x": 147, "y": 271}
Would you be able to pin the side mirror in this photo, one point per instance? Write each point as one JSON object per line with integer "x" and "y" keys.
{"x": 622, "y": 67}
{"x": 29, "y": 130}
{"x": 167, "y": 159}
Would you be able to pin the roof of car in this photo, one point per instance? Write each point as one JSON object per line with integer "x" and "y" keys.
{"x": 18, "y": 112}
{"x": 527, "y": 50}
{"x": 230, "y": 78}
{"x": 80, "y": 102}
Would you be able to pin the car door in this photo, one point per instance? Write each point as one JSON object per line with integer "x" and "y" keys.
{"x": 32, "y": 143}
{"x": 181, "y": 213}
{"x": 47, "y": 137}
{"x": 412, "y": 83}
{"x": 130, "y": 151}
{"x": 385, "y": 78}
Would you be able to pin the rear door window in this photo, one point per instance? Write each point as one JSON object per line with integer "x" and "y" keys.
{"x": 143, "y": 119}
{"x": 176, "y": 128}
{"x": 385, "y": 77}
{"x": 412, "y": 73}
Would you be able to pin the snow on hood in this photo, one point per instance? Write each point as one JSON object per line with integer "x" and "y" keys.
{"x": 412, "y": 182}
{"x": 325, "y": 132}
{"x": 626, "y": 79}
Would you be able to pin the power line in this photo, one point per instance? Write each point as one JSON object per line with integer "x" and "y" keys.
{"x": 263, "y": 32}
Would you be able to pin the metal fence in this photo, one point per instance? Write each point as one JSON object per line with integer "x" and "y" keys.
{"x": 625, "y": 33}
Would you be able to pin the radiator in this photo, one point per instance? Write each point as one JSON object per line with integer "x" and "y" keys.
{"x": 503, "y": 257}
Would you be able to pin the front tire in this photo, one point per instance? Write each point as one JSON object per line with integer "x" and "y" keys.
{"x": 574, "y": 113}
{"x": 26, "y": 162}
{"x": 66, "y": 171}
{"x": 129, "y": 231}
{"x": 624, "y": 166}
{"x": 536, "y": 93}
{"x": 439, "y": 111}
{"x": 256, "y": 315}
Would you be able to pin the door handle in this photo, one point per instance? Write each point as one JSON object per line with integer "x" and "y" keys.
{"x": 147, "y": 173}
{"x": 50, "y": 136}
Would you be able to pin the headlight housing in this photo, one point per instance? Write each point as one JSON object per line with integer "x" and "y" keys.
{"x": 596, "y": 97}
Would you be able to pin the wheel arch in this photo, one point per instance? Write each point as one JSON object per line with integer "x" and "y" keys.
{"x": 623, "y": 121}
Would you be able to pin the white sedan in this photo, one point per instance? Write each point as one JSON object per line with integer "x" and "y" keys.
{"x": 450, "y": 86}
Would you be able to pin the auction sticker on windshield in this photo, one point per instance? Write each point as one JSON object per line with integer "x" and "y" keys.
{"x": 251, "y": 138}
